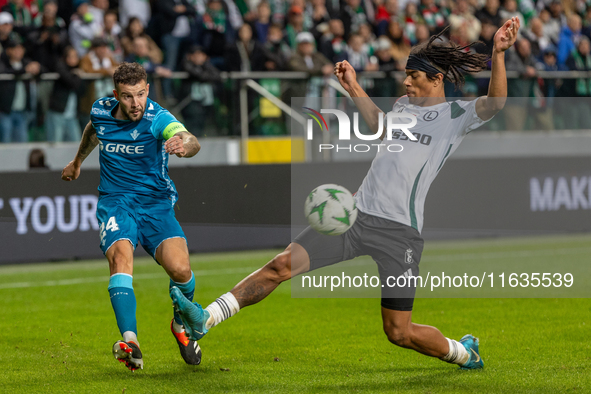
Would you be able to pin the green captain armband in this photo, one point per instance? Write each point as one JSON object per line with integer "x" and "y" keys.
{"x": 172, "y": 129}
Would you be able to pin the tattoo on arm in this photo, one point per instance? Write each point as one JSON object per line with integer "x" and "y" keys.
{"x": 88, "y": 143}
{"x": 190, "y": 143}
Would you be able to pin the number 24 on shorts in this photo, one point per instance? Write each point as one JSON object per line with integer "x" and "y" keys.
{"x": 111, "y": 225}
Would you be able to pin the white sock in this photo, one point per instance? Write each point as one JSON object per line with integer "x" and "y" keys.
{"x": 178, "y": 328}
{"x": 129, "y": 336}
{"x": 221, "y": 309}
{"x": 457, "y": 353}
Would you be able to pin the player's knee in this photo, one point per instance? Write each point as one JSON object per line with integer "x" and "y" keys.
{"x": 280, "y": 267}
{"x": 180, "y": 273}
{"x": 119, "y": 262}
{"x": 398, "y": 336}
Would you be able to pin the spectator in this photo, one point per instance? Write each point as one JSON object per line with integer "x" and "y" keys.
{"x": 155, "y": 71}
{"x": 412, "y": 18}
{"x": 568, "y": 36}
{"x": 139, "y": 9}
{"x": 535, "y": 34}
{"x": 46, "y": 42}
{"x": 459, "y": 35}
{"x": 352, "y": 15}
{"x": 111, "y": 32}
{"x": 263, "y": 21}
{"x": 554, "y": 19}
{"x": 423, "y": 34}
{"x": 295, "y": 25}
{"x": 486, "y": 39}
{"x": 400, "y": 48}
{"x": 277, "y": 50}
{"x": 332, "y": 44}
{"x": 317, "y": 13}
{"x": 99, "y": 60}
{"x": 587, "y": 23}
{"x": 551, "y": 26}
{"x": 387, "y": 12}
{"x": 308, "y": 60}
{"x": 15, "y": 101}
{"x": 522, "y": 61}
{"x": 434, "y": 18}
{"x": 202, "y": 77}
{"x": 490, "y": 12}
{"x": 234, "y": 17}
{"x": 83, "y": 28}
{"x": 37, "y": 160}
{"x": 245, "y": 54}
{"x": 23, "y": 21}
{"x": 50, "y": 9}
{"x": 386, "y": 62}
{"x": 171, "y": 18}
{"x": 550, "y": 88}
{"x": 62, "y": 118}
{"x": 369, "y": 39}
{"x": 98, "y": 9}
{"x": 463, "y": 17}
{"x": 136, "y": 29}
{"x": 6, "y": 29}
{"x": 510, "y": 10}
{"x": 578, "y": 114}
{"x": 527, "y": 9}
{"x": 357, "y": 56}
{"x": 141, "y": 55}
{"x": 213, "y": 37}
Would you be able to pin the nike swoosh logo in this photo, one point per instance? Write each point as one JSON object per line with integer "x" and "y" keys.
{"x": 476, "y": 354}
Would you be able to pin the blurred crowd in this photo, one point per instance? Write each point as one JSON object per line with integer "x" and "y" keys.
{"x": 204, "y": 37}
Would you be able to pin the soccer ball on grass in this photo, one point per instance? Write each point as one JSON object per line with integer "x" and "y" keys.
{"x": 330, "y": 209}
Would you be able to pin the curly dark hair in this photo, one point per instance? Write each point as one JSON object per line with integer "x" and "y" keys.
{"x": 129, "y": 74}
{"x": 453, "y": 59}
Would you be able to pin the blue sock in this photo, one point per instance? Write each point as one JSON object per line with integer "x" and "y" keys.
{"x": 123, "y": 301}
{"x": 188, "y": 290}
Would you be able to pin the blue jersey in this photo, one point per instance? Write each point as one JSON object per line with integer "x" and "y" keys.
{"x": 132, "y": 155}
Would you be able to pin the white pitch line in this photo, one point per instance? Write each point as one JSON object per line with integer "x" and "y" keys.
{"x": 98, "y": 279}
{"x": 507, "y": 254}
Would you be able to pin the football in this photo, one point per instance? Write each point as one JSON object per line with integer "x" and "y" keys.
{"x": 330, "y": 209}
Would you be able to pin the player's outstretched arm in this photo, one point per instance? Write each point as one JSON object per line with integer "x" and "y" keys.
{"x": 348, "y": 79}
{"x": 487, "y": 106}
{"x": 182, "y": 144}
{"x": 87, "y": 144}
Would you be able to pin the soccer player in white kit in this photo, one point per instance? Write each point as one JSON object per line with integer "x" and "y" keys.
{"x": 391, "y": 198}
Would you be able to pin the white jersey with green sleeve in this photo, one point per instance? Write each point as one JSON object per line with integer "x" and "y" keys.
{"x": 396, "y": 185}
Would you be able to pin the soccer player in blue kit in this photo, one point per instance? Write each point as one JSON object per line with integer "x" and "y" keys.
{"x": 137, "y": 198}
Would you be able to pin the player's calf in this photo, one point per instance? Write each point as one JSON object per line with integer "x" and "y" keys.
{"x": 399, "y": 337}
{"x": 278, "y": 269}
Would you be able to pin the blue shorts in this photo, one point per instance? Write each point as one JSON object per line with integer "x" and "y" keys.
{"x": 136, "y": 218}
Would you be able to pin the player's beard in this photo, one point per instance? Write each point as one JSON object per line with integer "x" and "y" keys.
{"x": 132, "y": 117}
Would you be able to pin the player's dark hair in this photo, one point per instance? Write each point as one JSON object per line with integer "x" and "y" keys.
{"x": 453, "y": 59}
{"x": 129, "y": 74}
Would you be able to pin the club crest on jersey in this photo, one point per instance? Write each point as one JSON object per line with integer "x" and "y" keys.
{"x": 101, "y": 130}
{"x": 431, "y": 115}
{"x": 408, "y": 256}
{"x": 134, "y": 135}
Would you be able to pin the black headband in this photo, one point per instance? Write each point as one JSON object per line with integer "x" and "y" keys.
{"x": 421, "y": 64}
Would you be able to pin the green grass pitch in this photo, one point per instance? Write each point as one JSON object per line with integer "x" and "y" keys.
{"x": 57, "y": 329}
